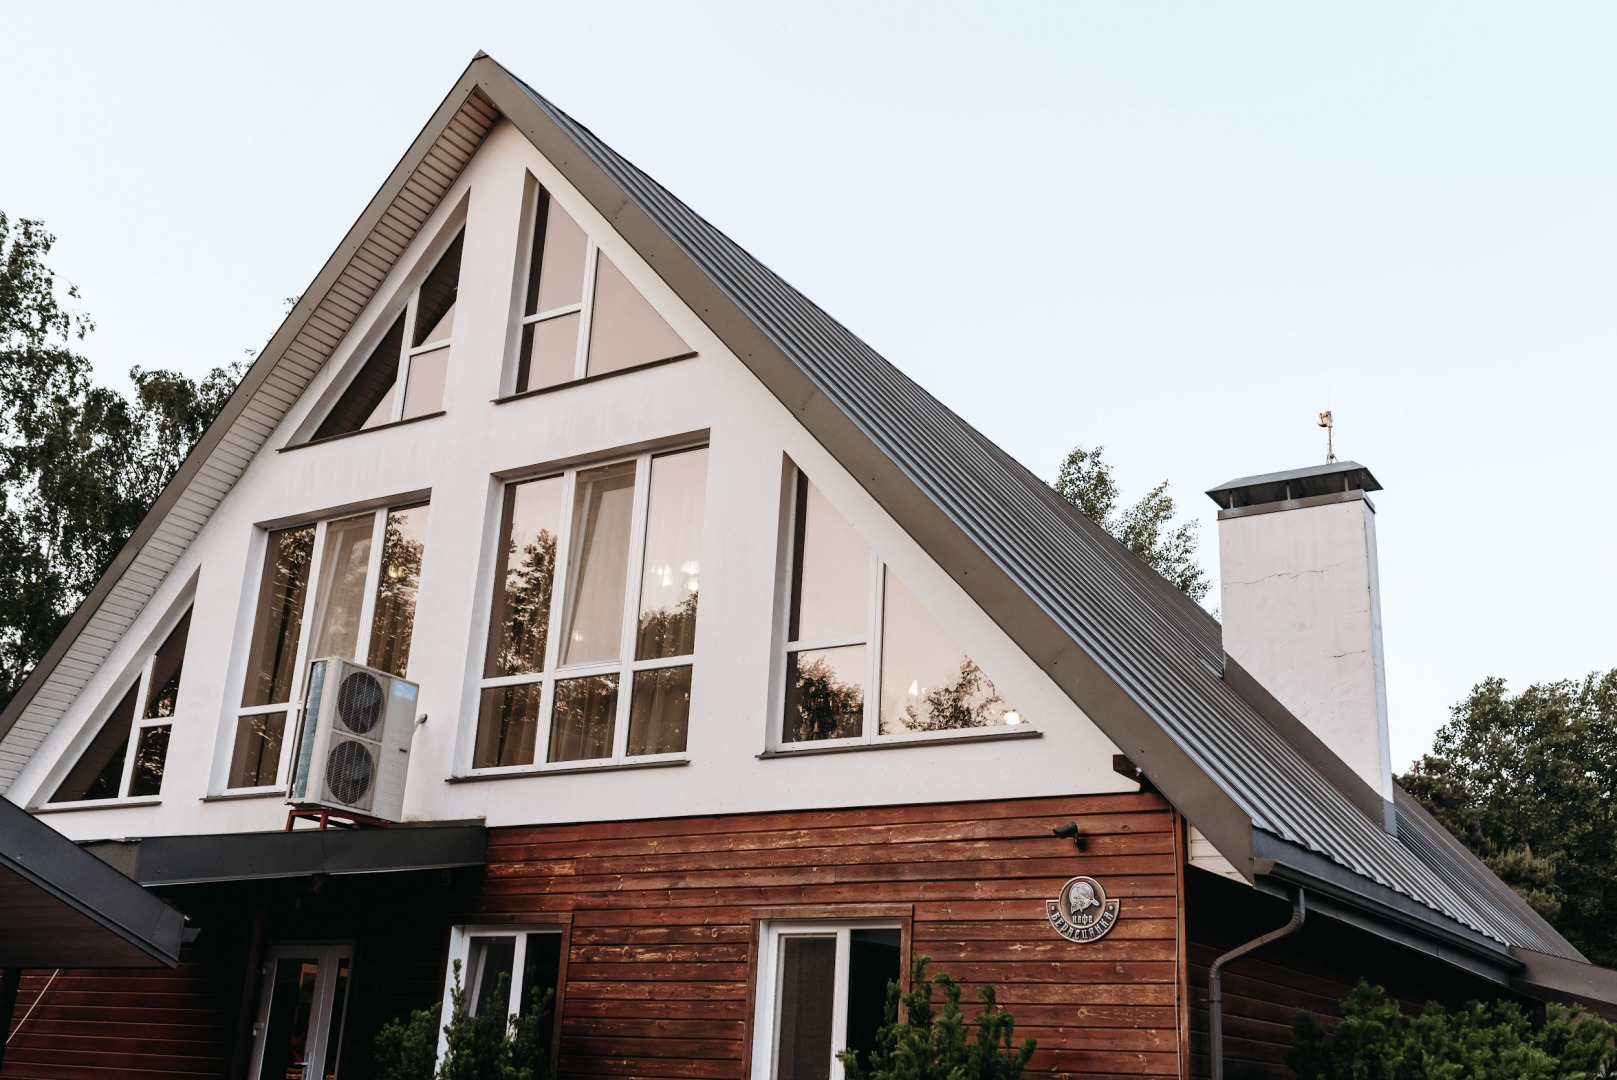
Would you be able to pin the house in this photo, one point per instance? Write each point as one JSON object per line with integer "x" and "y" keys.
{"x": 742, "y": 670}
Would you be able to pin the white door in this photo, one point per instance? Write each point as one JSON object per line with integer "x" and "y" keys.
{"x": 301, "y": 1005}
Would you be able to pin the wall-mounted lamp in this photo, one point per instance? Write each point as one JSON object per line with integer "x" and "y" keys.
{"x": 1069, "y": 831}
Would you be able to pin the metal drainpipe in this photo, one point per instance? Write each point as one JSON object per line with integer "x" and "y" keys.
{"x": 1215, "y": 977}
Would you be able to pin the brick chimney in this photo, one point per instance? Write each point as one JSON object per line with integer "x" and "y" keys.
{"x": 1301, "y": 606}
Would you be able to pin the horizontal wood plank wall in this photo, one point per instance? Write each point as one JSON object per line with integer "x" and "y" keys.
{"x": 1314, "y": 969}
{"x": 141, "y": 1022}
{"x": 657, "y": 978}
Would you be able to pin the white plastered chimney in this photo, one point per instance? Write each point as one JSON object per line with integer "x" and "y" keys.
{"x": 1301, "y": 604}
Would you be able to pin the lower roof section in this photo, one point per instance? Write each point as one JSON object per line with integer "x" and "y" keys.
{"x": 60, "y": 906}
{"x": 185, "y": 860}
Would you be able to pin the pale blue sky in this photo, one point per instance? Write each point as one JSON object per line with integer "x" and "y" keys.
{"x": 1175, "y": 229}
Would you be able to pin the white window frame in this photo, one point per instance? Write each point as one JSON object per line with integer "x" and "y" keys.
{"x": 625, "y": 667}
{"x": 137, "y": 725}
{"x": 328, "y": 954}
{"x": 302, "y": 659}
{"x": 871, "y": 639}
{"x": 766, "y": 1017}
{"x": 585, "y": 308}
{"x": 460, "y": 948}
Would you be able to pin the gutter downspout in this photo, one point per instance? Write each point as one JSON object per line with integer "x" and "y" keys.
{"x": 1215, "y": 988}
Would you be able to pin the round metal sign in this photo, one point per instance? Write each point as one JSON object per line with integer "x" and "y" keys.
{"x": 1082, "y": 913}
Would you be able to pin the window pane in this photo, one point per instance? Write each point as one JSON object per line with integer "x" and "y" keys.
{"x": 488, "y": 959}
{"x": 873, "y": 962}
{"x": 599, "y": 564}
{"x": 625, "y": 330}
{"x": 927, "y": 682}
{"x": 257, "y": 754}
{"x": 339, "y": 1012}
{"x": 659, "y": 710}
{"x": 368, "y": 401}
{"x": 396, "y": 588}
{"x": 524, "y": 578}
{"x": 808, "y": 975}
{"x": 286, "y": 1033}
{"x": 165, "y": 684}
{"x": 343, "y": 570}
{"x": 280, "y": 617}
{"x": 559, "y": 269}
{"x": 581, "y": 722}
{"x": 830, "y": 572}
{"x": 436, "y": 300}
{"x": 825, "y": 694}
{"x": 541, "y": 969}
{"x": 549, "y": 353}
{"x": 673, "y": 561}
{"x": 424, "y": 393}
{"x": 507, "y": 724}
{"x": 100, "y": 771}
{"x": 150, "y": 751}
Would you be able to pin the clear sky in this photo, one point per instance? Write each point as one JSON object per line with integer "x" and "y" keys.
{"x": 1178, "y": 230}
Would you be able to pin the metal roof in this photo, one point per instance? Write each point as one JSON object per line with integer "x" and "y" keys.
{"x": 1338, "y": 476}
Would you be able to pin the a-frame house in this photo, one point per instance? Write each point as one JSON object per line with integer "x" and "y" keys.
{"x": 529, "y": 413}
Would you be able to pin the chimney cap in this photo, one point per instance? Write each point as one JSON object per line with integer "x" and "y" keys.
{"x": 1294, "y": 484}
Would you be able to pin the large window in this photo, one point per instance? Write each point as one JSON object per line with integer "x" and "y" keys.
{"x": 580, "y": 316}
{"x": 126, "y": 756}
{"x": 413, "y": 354}
{"x": 357, "y": 597}
{"x": 592, "y": 628}
{"x": 503, "y": 969}
{"x": 822, "y": 987}
{"x": 851, "y": 625}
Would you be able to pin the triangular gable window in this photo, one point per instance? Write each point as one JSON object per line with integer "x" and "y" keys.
{"x": 580, "y": 315}
{"x": 420, "y": 363}
{"x": 842, "y": 603}
{"x": 105, "y": 769}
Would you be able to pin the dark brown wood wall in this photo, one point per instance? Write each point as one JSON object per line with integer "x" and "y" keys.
{"x": 662, "y": 920}
{"x": 1314, "y": 969}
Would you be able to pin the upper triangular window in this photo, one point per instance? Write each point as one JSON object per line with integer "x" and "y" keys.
{"x": 580, "y": 315}
{"x": 419, "y": 360}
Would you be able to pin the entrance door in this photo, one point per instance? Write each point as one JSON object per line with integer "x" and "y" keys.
{"x": 301, "y": 1006}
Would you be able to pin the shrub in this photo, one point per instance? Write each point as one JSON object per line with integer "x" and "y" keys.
{"x": 1481, "y": 1041}
{"x": 477, "y": 1047}
{"x": 933, "y": 1046}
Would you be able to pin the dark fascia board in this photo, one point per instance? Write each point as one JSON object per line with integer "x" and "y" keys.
{"x": 1112, "y": 708}
{"x": 1357, "y": 900}
{"x": 236, "y": 404}
{"x": 1336, "y": 772}
{"x": 193, "y": 859}
{"x": 55, "y": 865}
{"x": 1300, "y": 483}
{"x": 1569, "y": 982}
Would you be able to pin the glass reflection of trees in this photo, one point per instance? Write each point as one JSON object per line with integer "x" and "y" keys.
{"x": 820, "y": 705}
{"x": 524, "y": 623}
{"x": 969, "y": 702}
{"x": 399, "y": 581}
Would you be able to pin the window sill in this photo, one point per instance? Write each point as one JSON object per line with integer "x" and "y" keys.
{"x": 569, "y": 384}
{"x": 250, "y": 793}
{"x": 361, "y": 431}
{"x": 564, "y": 767}
{"x": 97, "y": 804}
{"x": 809, "y": 749}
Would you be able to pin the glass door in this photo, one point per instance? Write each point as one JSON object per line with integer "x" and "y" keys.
{"x": 301, "y": 1006}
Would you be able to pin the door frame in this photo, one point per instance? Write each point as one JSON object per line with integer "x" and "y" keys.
{"x": 328, "y": 954}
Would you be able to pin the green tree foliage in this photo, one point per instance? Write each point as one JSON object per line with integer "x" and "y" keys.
{"x": 932, "y": 1045}
{"x": 478, "y": 1046}
{"x": 79, "y": 463}
{"x": 1147, "y": 528}
{"x": 1482, "y": 1041}
{"x": 1529, "y": 783}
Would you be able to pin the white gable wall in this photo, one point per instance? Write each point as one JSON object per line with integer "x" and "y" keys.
{"x": 456, "y": 458}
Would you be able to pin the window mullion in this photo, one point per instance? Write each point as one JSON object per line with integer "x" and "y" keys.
{"x": 406, "y": 346}
{"x": 373, "y": 581}
{"x": 519, "y": 960}
{"x": 586, "y": 311}
{"x": 873, "y": 626}
{"x": 559, "y": 585}
{"x": 295, "y": 692}
{"x": 631, "y": 601}
{"x": 132, "y": 744}
{"x": 839, "y": 1001}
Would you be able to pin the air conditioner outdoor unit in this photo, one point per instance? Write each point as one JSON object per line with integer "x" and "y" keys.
{"x": 353, "y": 744}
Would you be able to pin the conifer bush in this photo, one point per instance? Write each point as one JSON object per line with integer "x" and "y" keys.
{"x": 1377, "y": 1040}
{"x": 477, "y": 1046}
{"x": 930, "y": 1045}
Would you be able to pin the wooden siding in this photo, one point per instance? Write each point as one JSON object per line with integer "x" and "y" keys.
{"x": 1314, "y": 969}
